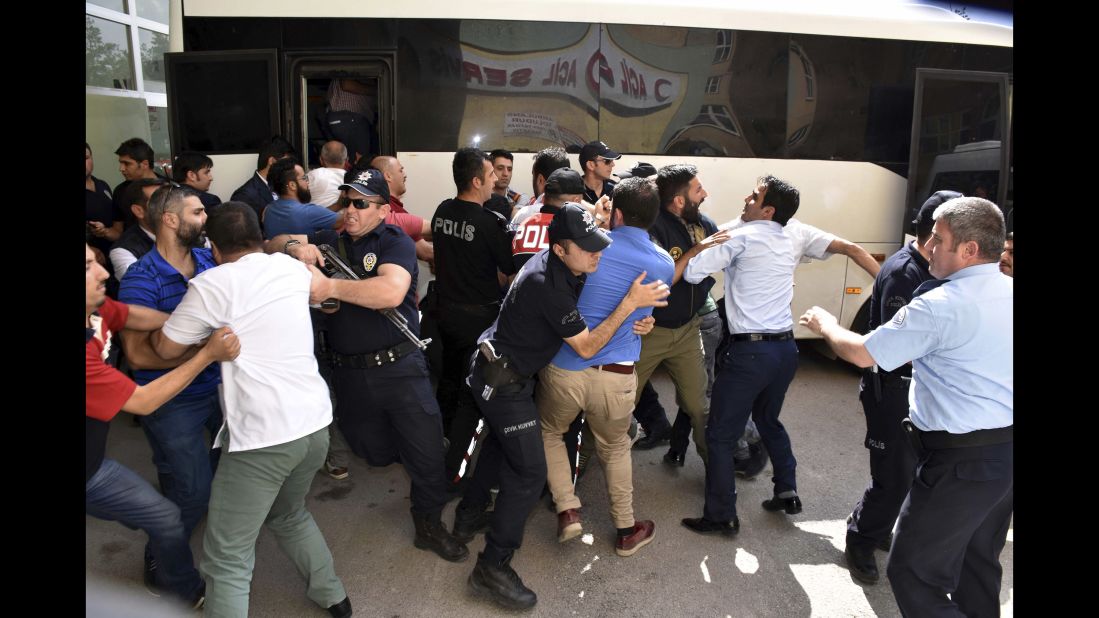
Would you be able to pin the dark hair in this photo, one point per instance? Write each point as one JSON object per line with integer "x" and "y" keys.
{"x": 549, "y": 159}
{"x": 638, "y": 199}
{"x": 281, "y": 174}
{"x": 500, "y": 152}
{"x": 276, "y": 147}
{"x": 673, "y": 180}
{"x": 1010, "y": 236}
{"x": 135, "y": 195}
{"x": 189, "y": 162}
{"x": 468, "y": 164}
{"x": 136, "y": 149}
{"x": 169, "y": 196}
{"x": 782, "y": 196}
{"x": 87, "y": 147}
{"x": 234, "y": 227}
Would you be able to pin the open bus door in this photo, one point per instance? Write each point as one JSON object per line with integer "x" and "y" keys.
{"x": 961, "y": 138}
{"x": 226, "y": 104}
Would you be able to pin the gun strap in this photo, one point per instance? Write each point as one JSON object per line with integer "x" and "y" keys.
{"x": 344, "y": 249}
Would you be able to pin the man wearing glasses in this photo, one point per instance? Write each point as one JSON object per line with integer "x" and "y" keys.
{"x": 294, "y": 212}
{"x": 386, "y": 409}
{"x": 597, "y": 162}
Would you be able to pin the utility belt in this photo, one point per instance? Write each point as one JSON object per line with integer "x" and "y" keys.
{"x": 495, "y": 371}
{"x": 938, "y": 440}
{"x": 373, "y": 359}
{"x": 878, "y": 379}
{"x": 786, "y": 336}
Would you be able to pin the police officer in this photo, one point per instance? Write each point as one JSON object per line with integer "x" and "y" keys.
{"x": 884, "y": 397}
{"x": 387, "y": 412}
{"x": 471, "y": 248}
{"x": 954, "y": 522}
{"x": 537, "y": 314}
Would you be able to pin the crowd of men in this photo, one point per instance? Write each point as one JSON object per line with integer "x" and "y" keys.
{"x": 265, "y": 338}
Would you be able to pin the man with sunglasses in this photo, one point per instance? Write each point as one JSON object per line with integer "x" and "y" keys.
{"x": 386, "y": 409}
{"x": 597, "y": 162}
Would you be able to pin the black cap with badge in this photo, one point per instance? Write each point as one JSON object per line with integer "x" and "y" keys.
{"x": 641, "y": 170}
{"x": 370, "y": 182}
{"x": 924, "y": 220}
{"x": 573, "y": 222}
{"x": 564, "y": 181}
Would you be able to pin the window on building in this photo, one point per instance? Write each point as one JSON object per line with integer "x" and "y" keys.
{"x": 724, "y": 46}
{"x": 108, "y": 58}
{"x": 713, "y": 84}
{"x": 716, "y": 116}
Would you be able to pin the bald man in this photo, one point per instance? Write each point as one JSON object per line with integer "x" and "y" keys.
{"x": 324, "y": 182}
{"x": 393, "y": 172}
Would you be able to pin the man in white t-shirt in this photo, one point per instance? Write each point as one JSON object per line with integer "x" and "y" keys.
{"x": 325, "y": 181}
{"x": 276, "y": 410}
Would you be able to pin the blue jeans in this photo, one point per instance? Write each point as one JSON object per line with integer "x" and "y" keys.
{"x": 752, "y": 382}
{"x": 177, "y": 430}
{"x": 116, "y": 493}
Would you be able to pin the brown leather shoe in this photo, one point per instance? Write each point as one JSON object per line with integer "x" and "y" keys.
{"x": 568, "y": 525}
{"x": 643, "y": 532}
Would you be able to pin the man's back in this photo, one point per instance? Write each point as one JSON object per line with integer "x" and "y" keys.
{"x": 273, "y": 393}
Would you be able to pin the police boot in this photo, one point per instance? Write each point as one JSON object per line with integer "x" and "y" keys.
{"x": 432, "y": 534}
{"x": 468, "y": 522}
{"x": 501, "y": 583}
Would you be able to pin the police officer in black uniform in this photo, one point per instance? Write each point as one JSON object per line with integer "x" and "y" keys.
{"x": 471, "y": 247}
{"x": 884, "y": 397}
{"x": 538, "y": 313}
{"x": 387, "y": 411}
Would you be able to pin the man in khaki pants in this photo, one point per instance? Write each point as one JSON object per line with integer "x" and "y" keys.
{"x": 603, "y": 385}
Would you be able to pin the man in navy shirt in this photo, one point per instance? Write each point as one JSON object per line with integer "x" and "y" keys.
{"x": 884, "y": 397}
{"x": 597, "y": 164}
{"x": 538, "y": 312}
{"x": 196, "y": 170}
{"x": 957, "y": 332}
{"x": 177, "y": 431}
{"x": 256, "y": 191}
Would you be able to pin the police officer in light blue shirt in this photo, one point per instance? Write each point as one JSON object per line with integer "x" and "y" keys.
{"x": 759, "y": 261}
{"x": 954, "y": 523}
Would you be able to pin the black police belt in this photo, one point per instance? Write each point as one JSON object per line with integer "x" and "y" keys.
{"x": 373, "y": 359}
{"x": 497, "y": 374}
{"x": 786, "y": 336}
{"x": 938, "y": 440}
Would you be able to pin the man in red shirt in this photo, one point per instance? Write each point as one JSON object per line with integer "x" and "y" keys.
{"x": 112, "y": 491}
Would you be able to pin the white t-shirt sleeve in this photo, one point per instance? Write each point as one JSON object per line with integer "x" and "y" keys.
{"x": 191, "y": 321}
{"x": 121, "y": 260}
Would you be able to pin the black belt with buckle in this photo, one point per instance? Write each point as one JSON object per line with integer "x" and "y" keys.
{"x": 373, "y": 359}
{"x": 937, "y": 440}
{"x": 763, "y": 336}
{"x": 616, "y": 368}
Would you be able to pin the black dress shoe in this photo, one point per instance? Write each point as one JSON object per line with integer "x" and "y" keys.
{"x": 673, "y": 458}
{"x": 654, "y": 438}
{"x": 702, "y": 525}
{"x": 861, "y": 562}
{"x": 792, "y": 506}
{"x": 341, "y": 609}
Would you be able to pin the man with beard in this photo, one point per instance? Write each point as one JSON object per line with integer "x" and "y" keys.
{"x": 293, "y": 212}
{"x": 158, "y": 281}
{"x": 675, "y": 341}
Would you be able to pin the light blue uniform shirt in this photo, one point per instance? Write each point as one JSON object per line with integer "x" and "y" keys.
{"x": 759, "y": 261}
{"x": 959, "y": 339}
{"x": 292, "y": 217}
{"x": 631, "y": 251}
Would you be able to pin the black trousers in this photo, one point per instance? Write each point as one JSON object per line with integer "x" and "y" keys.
{"x": 387, "y": 414}
{"x": 892, "y": 462}
{"x": 952, "y": 528}
{"x": 513, "y": 458}
{"x": 459, "y": 329}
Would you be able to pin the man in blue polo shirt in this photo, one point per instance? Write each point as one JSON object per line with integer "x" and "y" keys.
{"x": 958, "y": 334}
{"x": 177, "y": 430}
{"x": 293, "y": 212}
{"x": 603, "y": 385}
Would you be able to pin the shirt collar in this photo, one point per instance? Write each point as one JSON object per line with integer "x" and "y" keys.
{"x": 916, "y": 255}
{"x": 976, "y": 270}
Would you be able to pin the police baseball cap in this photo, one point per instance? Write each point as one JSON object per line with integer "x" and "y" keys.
{"x": 369, "y": 182}
{"x": 573, "y": 222}
{"x": 564, "y": 181}
{"x": 925, "y": 220}
{"x": 591, "y": 150}
{"x": 641, "y": 170}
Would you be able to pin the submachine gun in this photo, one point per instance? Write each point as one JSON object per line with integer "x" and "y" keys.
{"x": 335, "y": 268}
